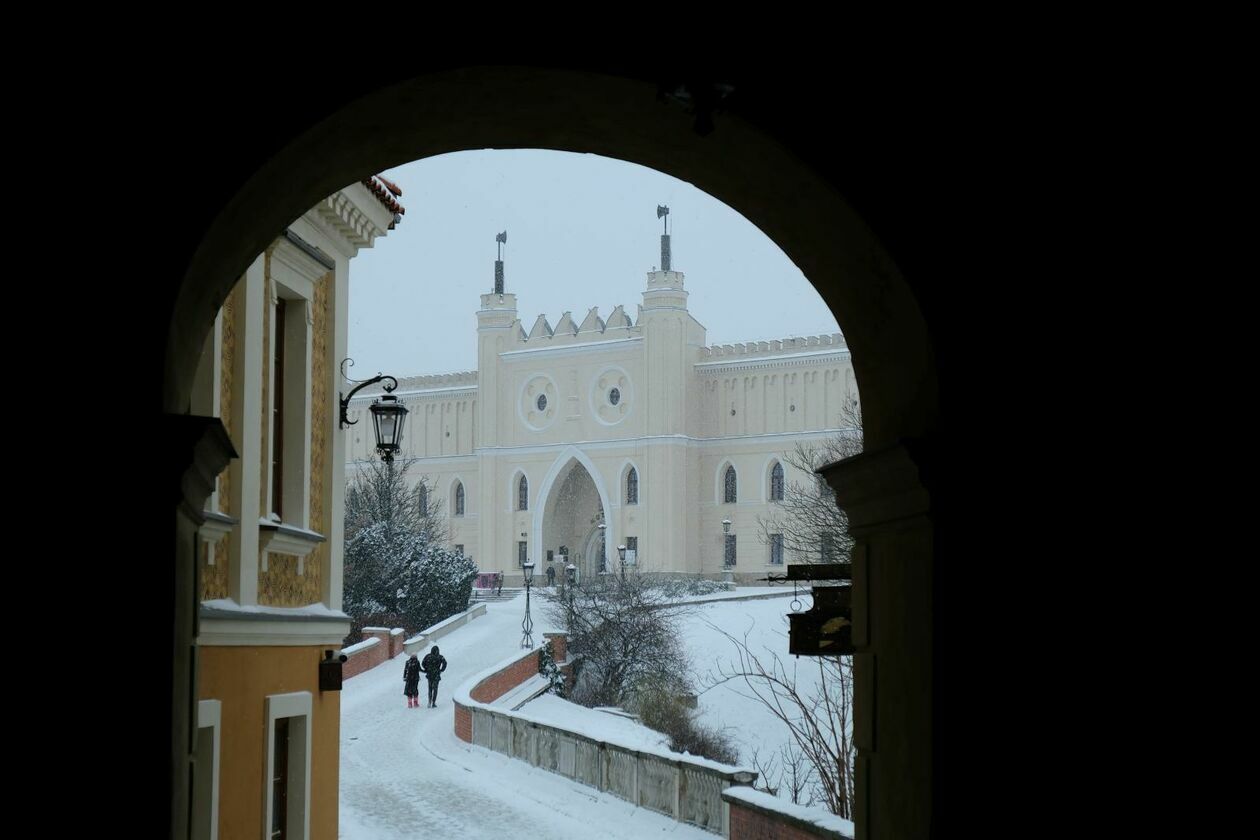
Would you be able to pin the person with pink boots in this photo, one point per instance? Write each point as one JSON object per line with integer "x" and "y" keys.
{"x": 411, "y": 682}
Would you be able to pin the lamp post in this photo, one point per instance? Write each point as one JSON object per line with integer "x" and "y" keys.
{"x": 603, "y": 554}
{"x": 570, "y": 580}
{"x": 621, "y": 550}
{"x": 726, "y": 563}
{"x": 527, "y": 626}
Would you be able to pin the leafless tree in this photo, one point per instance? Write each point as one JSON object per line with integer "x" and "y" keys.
{"x": 817, "y": 714}
{"x": 381, "y": 492}
{"x": 814, "y": 529}
{"x": 625, "y": 632}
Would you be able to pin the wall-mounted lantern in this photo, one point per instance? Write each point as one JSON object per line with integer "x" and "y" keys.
{"x": 330, "y": 672}
{"x": 388, "y": 414}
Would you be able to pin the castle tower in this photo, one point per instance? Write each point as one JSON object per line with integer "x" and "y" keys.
{"x": 494, "y": 333}
{"x": 666, "y": 324}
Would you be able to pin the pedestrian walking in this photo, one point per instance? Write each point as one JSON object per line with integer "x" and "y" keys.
{"x": 411, "y": 682}
{"x": 433, "y": 666}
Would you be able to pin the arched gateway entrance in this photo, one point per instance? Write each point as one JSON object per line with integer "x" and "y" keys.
{"x": 574, "y": 504}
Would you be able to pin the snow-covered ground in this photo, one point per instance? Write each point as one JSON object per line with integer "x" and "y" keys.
{"x": 404, "y": 773}
{"x": 729, "y": 705}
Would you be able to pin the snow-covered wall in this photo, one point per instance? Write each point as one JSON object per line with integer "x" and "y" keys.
{"x": 686, "y": 787}
{"x": 755, "y": 815}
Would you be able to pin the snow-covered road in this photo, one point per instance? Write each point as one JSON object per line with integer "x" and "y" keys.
{"x": 404, "y": 774}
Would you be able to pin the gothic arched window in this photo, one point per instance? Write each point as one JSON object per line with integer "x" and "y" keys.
{"x": 459, "y": 499}
{"x": 776, "y": 483}
{"x": 728, "y": 482}
{"x": 522, "y": 494}
{"x": 632, "y": 487}
{"x": 422, "y": 500}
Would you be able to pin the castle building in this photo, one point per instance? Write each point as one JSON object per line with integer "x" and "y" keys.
{"x": 636, "y": 425}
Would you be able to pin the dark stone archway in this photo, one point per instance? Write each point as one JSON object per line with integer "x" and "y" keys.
{"x": 774, "y": 158}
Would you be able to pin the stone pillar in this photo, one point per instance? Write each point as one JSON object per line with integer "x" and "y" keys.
{"x": 199, "y": 448}
{"x": 893, "y": 630}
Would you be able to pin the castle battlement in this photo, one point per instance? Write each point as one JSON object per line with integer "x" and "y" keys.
{"x": 777, "y": 347}
{"x": 568, "y": 331}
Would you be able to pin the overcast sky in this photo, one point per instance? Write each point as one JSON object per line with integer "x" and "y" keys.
{"x": 582, "y": 232}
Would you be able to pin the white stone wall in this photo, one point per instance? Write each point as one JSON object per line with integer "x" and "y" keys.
{"x": 672, "y": 421}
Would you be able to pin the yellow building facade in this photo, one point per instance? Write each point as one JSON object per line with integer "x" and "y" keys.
{"x": 269, "y": 564}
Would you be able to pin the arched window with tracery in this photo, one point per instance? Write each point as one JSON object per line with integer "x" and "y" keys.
{"x": 632, "y": 487}
{"x": 422, "y": 500}
{"x": 459, "y": 499}
{"x": 522, "y": 494}
{"x": 729, "y": 494}
{"x": 776, "y": 483}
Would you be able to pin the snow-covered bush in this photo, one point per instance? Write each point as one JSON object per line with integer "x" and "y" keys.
{"x": 398, "y": 571}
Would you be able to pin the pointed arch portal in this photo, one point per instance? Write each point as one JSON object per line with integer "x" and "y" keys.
{"x": 571, "y": 498}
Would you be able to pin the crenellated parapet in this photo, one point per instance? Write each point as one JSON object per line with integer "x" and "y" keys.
{"x": 567, "y": 330}
{"x": 798, "y": 344}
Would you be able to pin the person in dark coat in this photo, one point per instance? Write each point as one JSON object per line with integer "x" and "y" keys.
{"x": 411, "y": 682}
{"x": 551, "y": 574}
{"x": 433, "y": 666}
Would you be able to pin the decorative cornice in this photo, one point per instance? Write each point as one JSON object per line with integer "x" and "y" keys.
{"x": 278, "y": 538}
{"x": 203, "y": 450}
{"x": 310, "y": 250}
{"x": 341, "y": 213}
{"x": 216, "y": 525}
{"x": 575, "y": 348}
{"x": 878, "y": 488}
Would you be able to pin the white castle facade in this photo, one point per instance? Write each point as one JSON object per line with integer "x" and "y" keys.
{"x": 638, "y": 426}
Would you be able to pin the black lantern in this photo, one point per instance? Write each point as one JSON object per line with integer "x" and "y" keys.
{"x": 529, "y": 572}
{"x": 330, "y": 672}
{"x": 388, "y": 413}
{"x": 621, "y": 551}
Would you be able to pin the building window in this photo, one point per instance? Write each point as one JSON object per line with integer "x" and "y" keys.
{"x": 280, "y": 781}
{"x": 776, "y": 549}
{"x": 288, "y": 767}
{"x": 288, "y": 399}
{"x": 459, "y": 499}
{"x": 542, "y": 402}
{"x": 776, "y": 483}
{"x": 277, "y": 414}
{"x": 614, "y": 396}
{"x": 522, "y": 494}
{"x": 632, "y": 487}
{"x": 632, "y": 550}
{"x": 205, "y": 794}
{"x": 459, "y": 549}
{"x": 728, "y": 558}
{"x": 521, "y": 548}
{"x": 422, "y": 500}
{"x": 729, "y": 494}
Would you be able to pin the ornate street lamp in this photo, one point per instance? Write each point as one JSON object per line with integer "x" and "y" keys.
{"x": 527, "y": 626}
{"x": 621, "y": 550}
{"x": 388, "y": 414}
